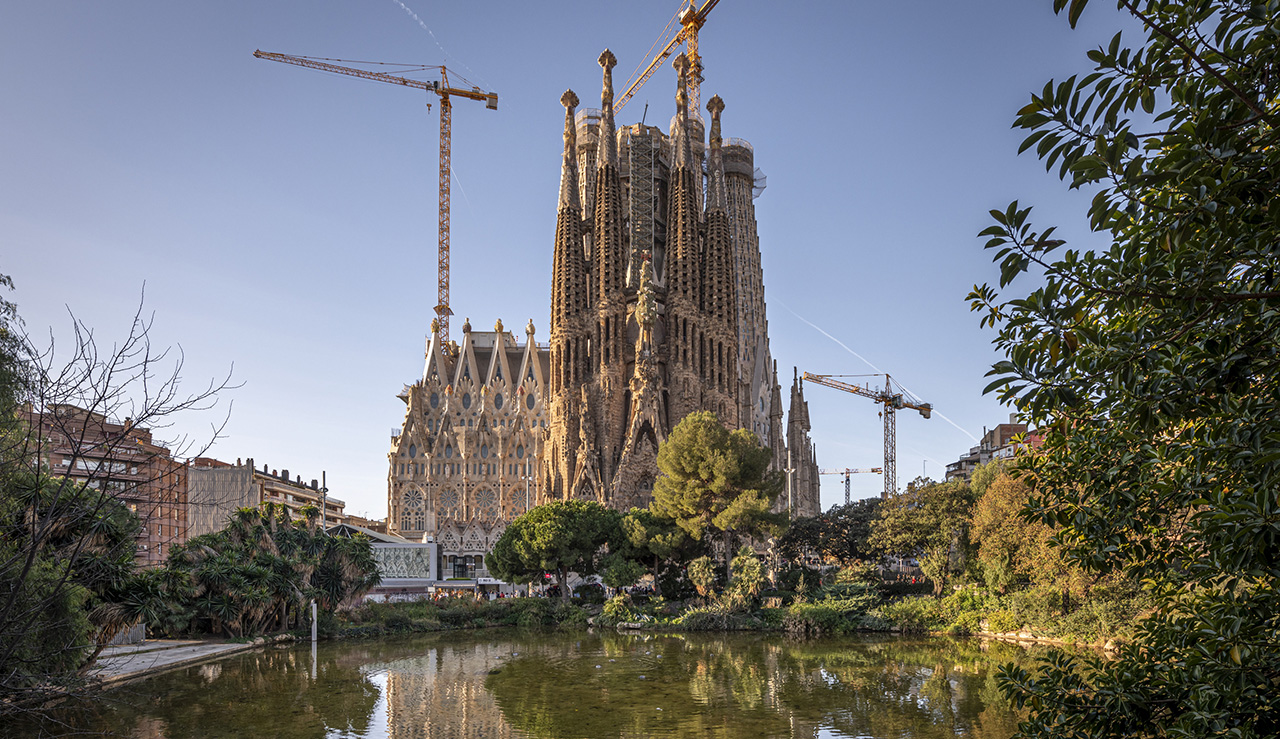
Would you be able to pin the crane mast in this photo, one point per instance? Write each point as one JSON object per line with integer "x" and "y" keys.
{"x": 691, "y": 21}
{"x": 444, "y": 90}
{"x": 892, "y": 400}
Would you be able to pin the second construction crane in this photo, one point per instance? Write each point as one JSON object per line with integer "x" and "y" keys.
{"x": 441, "y": 88}
{"x": 847, "y": 474}
{"x": 892, "y": 398}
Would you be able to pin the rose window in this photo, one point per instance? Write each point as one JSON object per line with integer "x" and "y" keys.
{"x": 487, "y": 504}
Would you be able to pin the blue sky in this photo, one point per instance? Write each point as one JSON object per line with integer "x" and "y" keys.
{"x": 284, "y": 220}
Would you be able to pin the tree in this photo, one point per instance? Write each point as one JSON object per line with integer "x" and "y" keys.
{"x": 1011, "y": 549}
{"x": 557, "y": 538}
{"x": 702, "y": 573}
{"x": 930, "y": 521}
{"x": 67, "y": 584}
{"x": 658, "y": 542}
{"x": 1153, "y": 367}
{"x": 259, "y": 573}
{"x": 716, "y": 480}
{"x": 59, "y": 621}
{"x": 842, "y": 534}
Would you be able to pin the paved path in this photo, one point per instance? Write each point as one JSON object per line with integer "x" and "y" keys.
{"x": 129, "y": 662}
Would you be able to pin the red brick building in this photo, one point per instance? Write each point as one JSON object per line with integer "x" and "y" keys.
{"x": 123, "y": 460}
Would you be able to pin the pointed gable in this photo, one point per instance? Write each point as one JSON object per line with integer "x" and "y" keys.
{"x": 437, "y": 369}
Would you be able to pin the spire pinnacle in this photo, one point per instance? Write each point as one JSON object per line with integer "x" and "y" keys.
{"x": 569, "y": 169}
{"x": 608, "y": 152}
{"x": 681, "y": 65}
{"x": 715, "y": 163}
{"x": 682, "y": 156}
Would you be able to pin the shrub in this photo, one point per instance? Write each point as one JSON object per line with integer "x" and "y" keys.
{"x": 397, "y": 621}
{"x": 839, "y": 615}
{"x": 619, "y": 608}
{"x": 569, "y": 616}
{"x": 1001, "y": 621}
{"x": 966, "y": 622}
{"x": 913, "y": 615}
{"x": 714, "y": 617}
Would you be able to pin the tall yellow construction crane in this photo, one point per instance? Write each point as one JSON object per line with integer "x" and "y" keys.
{"x": 893, "y": 398}
{"x": 441, "y": 88}
{"x": 847, "y": 473}
{"x": 691, "y": 21}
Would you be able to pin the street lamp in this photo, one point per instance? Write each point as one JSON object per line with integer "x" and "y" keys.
{"x": 790, "y": 498}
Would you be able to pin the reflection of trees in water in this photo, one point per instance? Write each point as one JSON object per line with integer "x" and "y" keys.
{"x": 754, "y": 686}
{"x": 269, "y": 693}
{"x": 506, "y": 684}
{"x": 920, "y": 688}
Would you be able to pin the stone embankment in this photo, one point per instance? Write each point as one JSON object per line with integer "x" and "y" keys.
{"x": 1027, "y": 638}
{"x": 121, "y": 664}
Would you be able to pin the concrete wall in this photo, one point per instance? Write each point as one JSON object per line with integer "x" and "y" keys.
{"x": 213, "y": 494}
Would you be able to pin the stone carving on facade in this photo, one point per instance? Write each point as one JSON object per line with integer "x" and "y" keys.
{"x": 657, "y": 310}
{"x": 632, "y": 356}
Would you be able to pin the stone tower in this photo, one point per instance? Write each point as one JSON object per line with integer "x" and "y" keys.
{"x": 657, "y": 301}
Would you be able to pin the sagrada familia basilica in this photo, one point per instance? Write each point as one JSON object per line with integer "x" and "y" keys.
{"x": 657, "y": 311}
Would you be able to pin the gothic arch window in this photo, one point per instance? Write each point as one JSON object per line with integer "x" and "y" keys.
{"x": 413, "y": 515}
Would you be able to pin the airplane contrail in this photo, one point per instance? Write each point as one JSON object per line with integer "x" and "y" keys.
{"x": 829, "y": 336}
{"x": 422, "y": 23}
{"x": 819, "y": 329}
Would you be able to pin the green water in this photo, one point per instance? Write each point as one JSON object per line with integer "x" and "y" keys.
{"x": 589, "y": 686}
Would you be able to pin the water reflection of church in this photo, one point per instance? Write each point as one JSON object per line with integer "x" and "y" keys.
{"x": 441, "y": 693}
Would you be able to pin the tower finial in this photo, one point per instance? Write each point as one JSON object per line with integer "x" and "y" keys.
{"x": 569, "y": 169}
{"x": 681, "y": 142}
{"x": 715, "y": 106}
{"x": 681, "y": 65}
{"x": 715, "y": 163}
{"x": 607, "y": 153}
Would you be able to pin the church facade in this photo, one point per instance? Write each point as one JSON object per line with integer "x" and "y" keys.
{"x": 464, "y": 461}
{"x": 657, "y": 311}
{"x": 658, "y": 303}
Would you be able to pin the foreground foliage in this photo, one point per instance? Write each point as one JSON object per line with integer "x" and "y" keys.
{"x": 555, "y": 539}
{"x": 1154, "y": 367}
{"x": 259, "y": 575}
{"x": 57, "y": 618}
{"x": 716, "y": 481}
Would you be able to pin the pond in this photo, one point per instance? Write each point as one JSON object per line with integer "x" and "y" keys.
{"x": 499, "y": 683}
